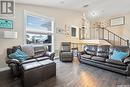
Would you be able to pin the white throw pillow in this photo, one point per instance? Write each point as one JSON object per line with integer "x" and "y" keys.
{"x": 28, "y": 49}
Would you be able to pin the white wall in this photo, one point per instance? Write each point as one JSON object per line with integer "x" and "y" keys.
{"x": 62, "y": 17}
{"x": 123, "y": 30}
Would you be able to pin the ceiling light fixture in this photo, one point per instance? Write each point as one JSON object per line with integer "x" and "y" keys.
{"x": 93, "y": 14}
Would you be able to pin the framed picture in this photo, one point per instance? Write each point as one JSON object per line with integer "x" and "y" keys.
{"x": 74, "y": 31}
{"x": 6, "y": 24}
{"x": 67, "y": 30}
{"x": 117, "y": 21}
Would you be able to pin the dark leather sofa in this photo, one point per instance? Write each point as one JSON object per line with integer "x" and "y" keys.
{"x": 100, "y": 56}
{"x": 38, "y": 53}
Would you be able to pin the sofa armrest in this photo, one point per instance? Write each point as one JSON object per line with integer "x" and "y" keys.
{"x": 128, "y": 70}
{"x": 15, "y": 69}
{"x": 80, "y": 53}
{"x": 127, "y": 60}
{"x": 14, "y": 65}
{"x": 50, "y": 54}
{"x": 14, "y": 61}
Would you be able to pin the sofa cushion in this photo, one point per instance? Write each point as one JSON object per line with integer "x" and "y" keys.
{"x": 65, "y": 46}
{"x": 45, "y": 62}
{"x": 31, "y": 65}
{"x": 102, "y": 59}
{"x": 115, "y": 62}
{"x": 90, "y": 49}
{"x": 29, "y": 61}
{"x": 40, "y": 51}
{"x": 66, "y": 54}
{"x": 40, "y": 48}
{"x": 86, "y": 56}
{"x": 42, "y": 58}
{"x": 103, "y": 51}
{"x": 39, "y": 54}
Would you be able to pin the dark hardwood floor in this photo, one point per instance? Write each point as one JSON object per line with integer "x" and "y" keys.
{"x": 76, "y": 75}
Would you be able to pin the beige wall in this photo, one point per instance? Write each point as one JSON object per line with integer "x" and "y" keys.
{"x": 126, "y": 29}
{"x": 62, "y": 17}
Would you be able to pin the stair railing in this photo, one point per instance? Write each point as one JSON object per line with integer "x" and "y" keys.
{"x": 107, "y": 35}
{"x": 112, "y": 38}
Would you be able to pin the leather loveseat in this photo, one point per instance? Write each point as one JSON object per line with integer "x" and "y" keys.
{"x": 35, "y": 53}
{"x": 100, "y": 56}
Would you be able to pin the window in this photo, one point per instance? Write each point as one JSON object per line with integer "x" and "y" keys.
{"x": 38, "y": 23}
{"x": 38, "y": 38}
{"x": 39, "y": 30}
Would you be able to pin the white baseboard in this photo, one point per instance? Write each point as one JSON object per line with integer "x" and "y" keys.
{"x": 4, "y": 69}
{"x": 57, "y": 57}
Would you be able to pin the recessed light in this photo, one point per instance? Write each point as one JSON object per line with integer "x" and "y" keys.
{"x": 85, "y": 6}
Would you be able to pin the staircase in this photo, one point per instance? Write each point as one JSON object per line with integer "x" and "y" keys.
{"x": 99, "y": 36}
{"x": 103, "y": 34}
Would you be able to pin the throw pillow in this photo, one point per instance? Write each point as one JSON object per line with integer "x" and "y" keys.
{"x": 118, "y": 55}
{"x": 19, "y": 55}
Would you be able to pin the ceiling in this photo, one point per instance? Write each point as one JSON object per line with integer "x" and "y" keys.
{"x": 95, "y": 8}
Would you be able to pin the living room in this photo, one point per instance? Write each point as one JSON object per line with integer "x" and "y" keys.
{"x": 85, "y": 29}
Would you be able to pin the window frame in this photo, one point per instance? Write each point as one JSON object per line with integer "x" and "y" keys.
{"x": 28, "y": 13}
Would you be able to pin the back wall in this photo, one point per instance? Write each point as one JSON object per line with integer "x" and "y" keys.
{"x": 62, "y": 17}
